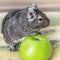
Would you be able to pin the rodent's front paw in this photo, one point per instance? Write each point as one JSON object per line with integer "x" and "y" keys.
{"x": 36, "y": 32}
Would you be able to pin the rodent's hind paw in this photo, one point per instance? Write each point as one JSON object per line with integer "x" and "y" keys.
{"x": 13, "y": 49}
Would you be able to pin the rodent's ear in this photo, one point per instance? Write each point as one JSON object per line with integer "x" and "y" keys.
{"x": 32, "y": 7}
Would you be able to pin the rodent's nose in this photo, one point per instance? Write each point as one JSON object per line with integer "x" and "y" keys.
{"x": 46, "y": 23}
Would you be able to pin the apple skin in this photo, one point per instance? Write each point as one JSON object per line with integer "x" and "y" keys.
{"x": 35, "y": 47}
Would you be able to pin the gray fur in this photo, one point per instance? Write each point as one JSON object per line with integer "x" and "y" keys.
{"x": 17, "y": 24}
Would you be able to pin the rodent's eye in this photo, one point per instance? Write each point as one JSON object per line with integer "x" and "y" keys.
{"x": 40, "y": 20}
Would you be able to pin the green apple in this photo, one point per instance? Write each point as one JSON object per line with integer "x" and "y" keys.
{"x": 35, "y": 47}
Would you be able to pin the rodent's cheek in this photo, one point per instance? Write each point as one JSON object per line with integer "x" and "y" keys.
{"x": 30, "y": 20}
{"x": 40, "y": 21}
{"x": 44, "y": 24}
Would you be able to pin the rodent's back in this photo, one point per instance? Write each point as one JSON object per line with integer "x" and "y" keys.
{"x": 8, "y": 16}
{"x": 15, "y": 23}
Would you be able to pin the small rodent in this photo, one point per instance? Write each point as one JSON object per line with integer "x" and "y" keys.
{"x": 20, "y": 23}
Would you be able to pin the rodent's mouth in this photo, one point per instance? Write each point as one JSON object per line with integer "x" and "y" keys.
{"x": 37, "y": 27}
{"x": 44, "y": 26}
{"x": 34, "y": 27}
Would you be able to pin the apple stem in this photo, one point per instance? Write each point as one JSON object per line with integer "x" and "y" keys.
{"x": 36, "y": 39}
